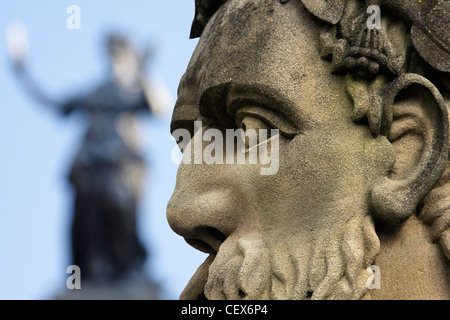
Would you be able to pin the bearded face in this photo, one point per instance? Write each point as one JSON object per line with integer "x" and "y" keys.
{"x": 253, "y": 266}
{"x": 306, "y": 231}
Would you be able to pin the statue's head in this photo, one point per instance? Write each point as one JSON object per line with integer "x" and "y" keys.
{"x": 361, "y": 138}
{"x": 125, "y": 61}
{"x": 116, "y": 45}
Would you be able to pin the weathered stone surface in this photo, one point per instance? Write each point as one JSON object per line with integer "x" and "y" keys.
{"x": 363, "y": 175}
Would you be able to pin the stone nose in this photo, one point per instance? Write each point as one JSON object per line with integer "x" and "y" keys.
{"x": 204, "y": 220}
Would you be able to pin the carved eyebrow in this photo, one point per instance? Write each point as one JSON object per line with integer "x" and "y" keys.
{"x": 265, "y": 97}
{"x": 222, "y": 101}
{"x": 261, "y": 95}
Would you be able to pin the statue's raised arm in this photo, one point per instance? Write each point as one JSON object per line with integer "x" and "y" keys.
{"x": 17, "y": 44}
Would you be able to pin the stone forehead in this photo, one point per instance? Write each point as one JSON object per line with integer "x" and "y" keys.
{"x": 259, "y": 52}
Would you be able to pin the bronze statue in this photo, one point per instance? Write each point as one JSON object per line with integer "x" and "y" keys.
{"x": 108, "y": 168}
{"x": 363, "y": 173}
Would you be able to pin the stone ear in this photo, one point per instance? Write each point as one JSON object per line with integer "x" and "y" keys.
{"x": 415, "y": 120}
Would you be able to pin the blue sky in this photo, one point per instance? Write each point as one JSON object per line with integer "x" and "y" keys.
{"x": 37, "y": 146}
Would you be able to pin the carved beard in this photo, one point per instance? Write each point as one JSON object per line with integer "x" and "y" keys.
{"x": 252, "y": 266}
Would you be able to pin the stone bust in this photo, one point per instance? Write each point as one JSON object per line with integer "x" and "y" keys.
{"x": 362, "y": 146}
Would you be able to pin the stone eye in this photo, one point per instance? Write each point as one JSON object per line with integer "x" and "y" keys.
{"x": 264, "y": 120}
{"x": 252, "y": 130}
{"x": 251, "y": 122}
